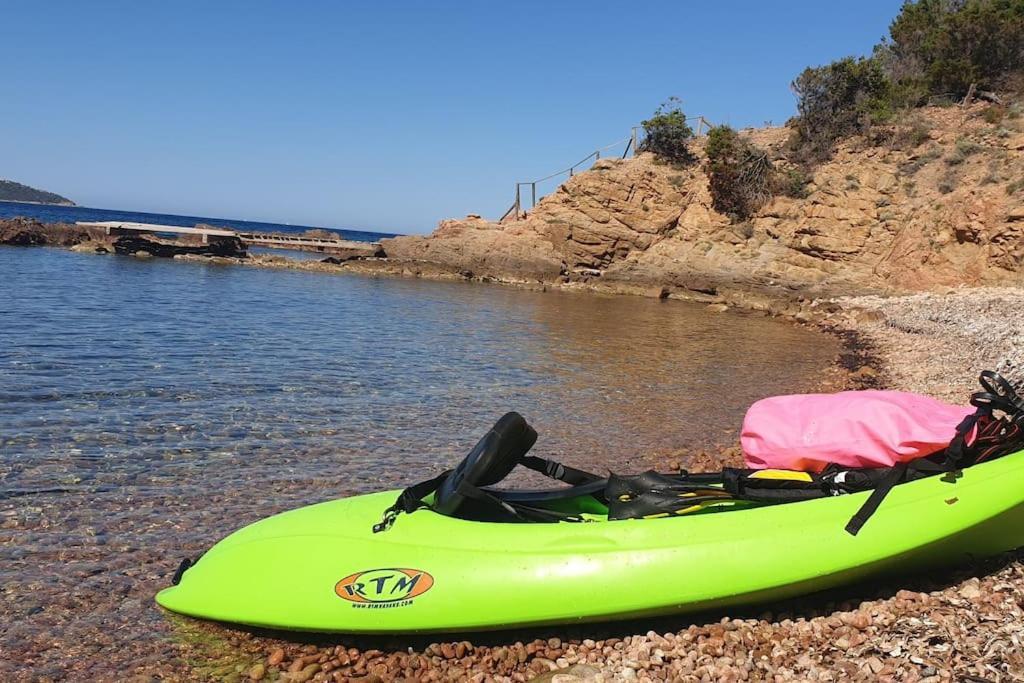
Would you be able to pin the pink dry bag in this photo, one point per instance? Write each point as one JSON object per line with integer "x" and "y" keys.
{"x": 853, "y": 428}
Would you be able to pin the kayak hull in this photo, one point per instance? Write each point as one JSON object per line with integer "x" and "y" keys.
{"x": 321, "y": 568}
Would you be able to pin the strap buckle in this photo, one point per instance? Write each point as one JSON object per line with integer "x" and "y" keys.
{"x": 387, "y": 520}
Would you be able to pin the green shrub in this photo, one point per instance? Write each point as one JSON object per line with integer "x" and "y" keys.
{"x": 964, "y": 148}
{"x": 792, "y": 182}
{"x": 945, "y": 46}
{"x": 744, "y": 230}
{"x": 947, "y": 184}
{"x": 914, "y": 165}
{"x": 936, "y": 50}
{"x": 835, "y": 101}
{"x": 994, "y": 114}
{"x": 667, "y": 135}
{"x": 910, "y": 133}
{"x": 740, "y": 175}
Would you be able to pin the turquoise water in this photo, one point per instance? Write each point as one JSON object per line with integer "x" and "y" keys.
{"x": 147, "y": 408}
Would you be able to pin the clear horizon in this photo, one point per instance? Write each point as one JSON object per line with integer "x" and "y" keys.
{"x": 377, "y": 116}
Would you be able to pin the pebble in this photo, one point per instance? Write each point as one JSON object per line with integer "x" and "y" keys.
{"x": 305, "y": 674}
{"x": 970, "y": 590}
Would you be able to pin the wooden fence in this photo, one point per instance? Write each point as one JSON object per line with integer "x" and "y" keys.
{"x": 632, "y": 144}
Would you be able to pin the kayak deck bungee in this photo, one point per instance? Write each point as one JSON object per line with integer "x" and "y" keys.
{"x": 323, "y": 568}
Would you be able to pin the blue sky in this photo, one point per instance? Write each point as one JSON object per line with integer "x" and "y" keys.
{"x": 377, "y": 115}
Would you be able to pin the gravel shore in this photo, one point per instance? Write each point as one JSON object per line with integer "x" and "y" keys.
{"x": 937, "y": 344}
{"x": 960, "y": 625}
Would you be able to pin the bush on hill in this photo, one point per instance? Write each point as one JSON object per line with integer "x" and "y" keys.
{"x": 935, "y": 48}
{"x": 835, "y": 101}
{"x": 667, "y": 135}
{"x": 740, "y": 174}
{"x": 945, "y": 46}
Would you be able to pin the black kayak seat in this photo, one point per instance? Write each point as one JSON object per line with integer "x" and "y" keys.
{"x": 465, "y": 492}
{"x": 491, "y": 460}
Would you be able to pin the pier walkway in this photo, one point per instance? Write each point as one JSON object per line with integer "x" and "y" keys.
{"x": 211, "y": 234}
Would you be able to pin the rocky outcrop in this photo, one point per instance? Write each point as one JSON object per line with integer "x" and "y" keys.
{"x": 875, "y": 219}
{"x": 356, "y": 250}
{"x": 477, "y": 248}
{"x": 26, "y": 232}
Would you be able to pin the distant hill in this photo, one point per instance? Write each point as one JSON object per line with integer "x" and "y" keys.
{"x": 11, "y": 191}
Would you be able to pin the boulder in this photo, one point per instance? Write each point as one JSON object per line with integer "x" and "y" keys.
{"x": 480, "y": 251}
{"x": 146, "y": 247}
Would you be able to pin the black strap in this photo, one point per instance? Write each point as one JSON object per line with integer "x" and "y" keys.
{"x": 956, "y": 451}
{"x": 556, "y": 470}
{"x": 517, "y": 510}
{"x": 895, "y": 476}
{"x": 478, "y": 494}
{"x": 410, "y": 500}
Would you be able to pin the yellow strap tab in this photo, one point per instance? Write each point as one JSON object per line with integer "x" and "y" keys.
{"x": 788, "y": 475}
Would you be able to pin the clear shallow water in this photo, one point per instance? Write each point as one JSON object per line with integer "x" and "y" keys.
{"x": 147, "y": 408}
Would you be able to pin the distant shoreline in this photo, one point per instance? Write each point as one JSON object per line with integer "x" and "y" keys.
{"x": 68, "y": 203}
{"x": 13, "y": 191}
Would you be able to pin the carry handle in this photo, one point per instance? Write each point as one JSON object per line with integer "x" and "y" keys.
{"x": 999, "y": 394}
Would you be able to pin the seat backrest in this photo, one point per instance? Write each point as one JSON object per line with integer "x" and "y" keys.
{"x": 490, "y": 461}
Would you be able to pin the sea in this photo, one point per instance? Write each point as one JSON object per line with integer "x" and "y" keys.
{"x": 150, "y": 407}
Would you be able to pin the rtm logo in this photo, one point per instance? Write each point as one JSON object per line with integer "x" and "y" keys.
{"x": 384, "y": 585}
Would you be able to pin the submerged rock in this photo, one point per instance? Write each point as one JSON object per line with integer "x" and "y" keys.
{"x": 93, "y": 247}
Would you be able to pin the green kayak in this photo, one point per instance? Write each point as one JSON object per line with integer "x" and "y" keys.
{"x": 323, "y": 567}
